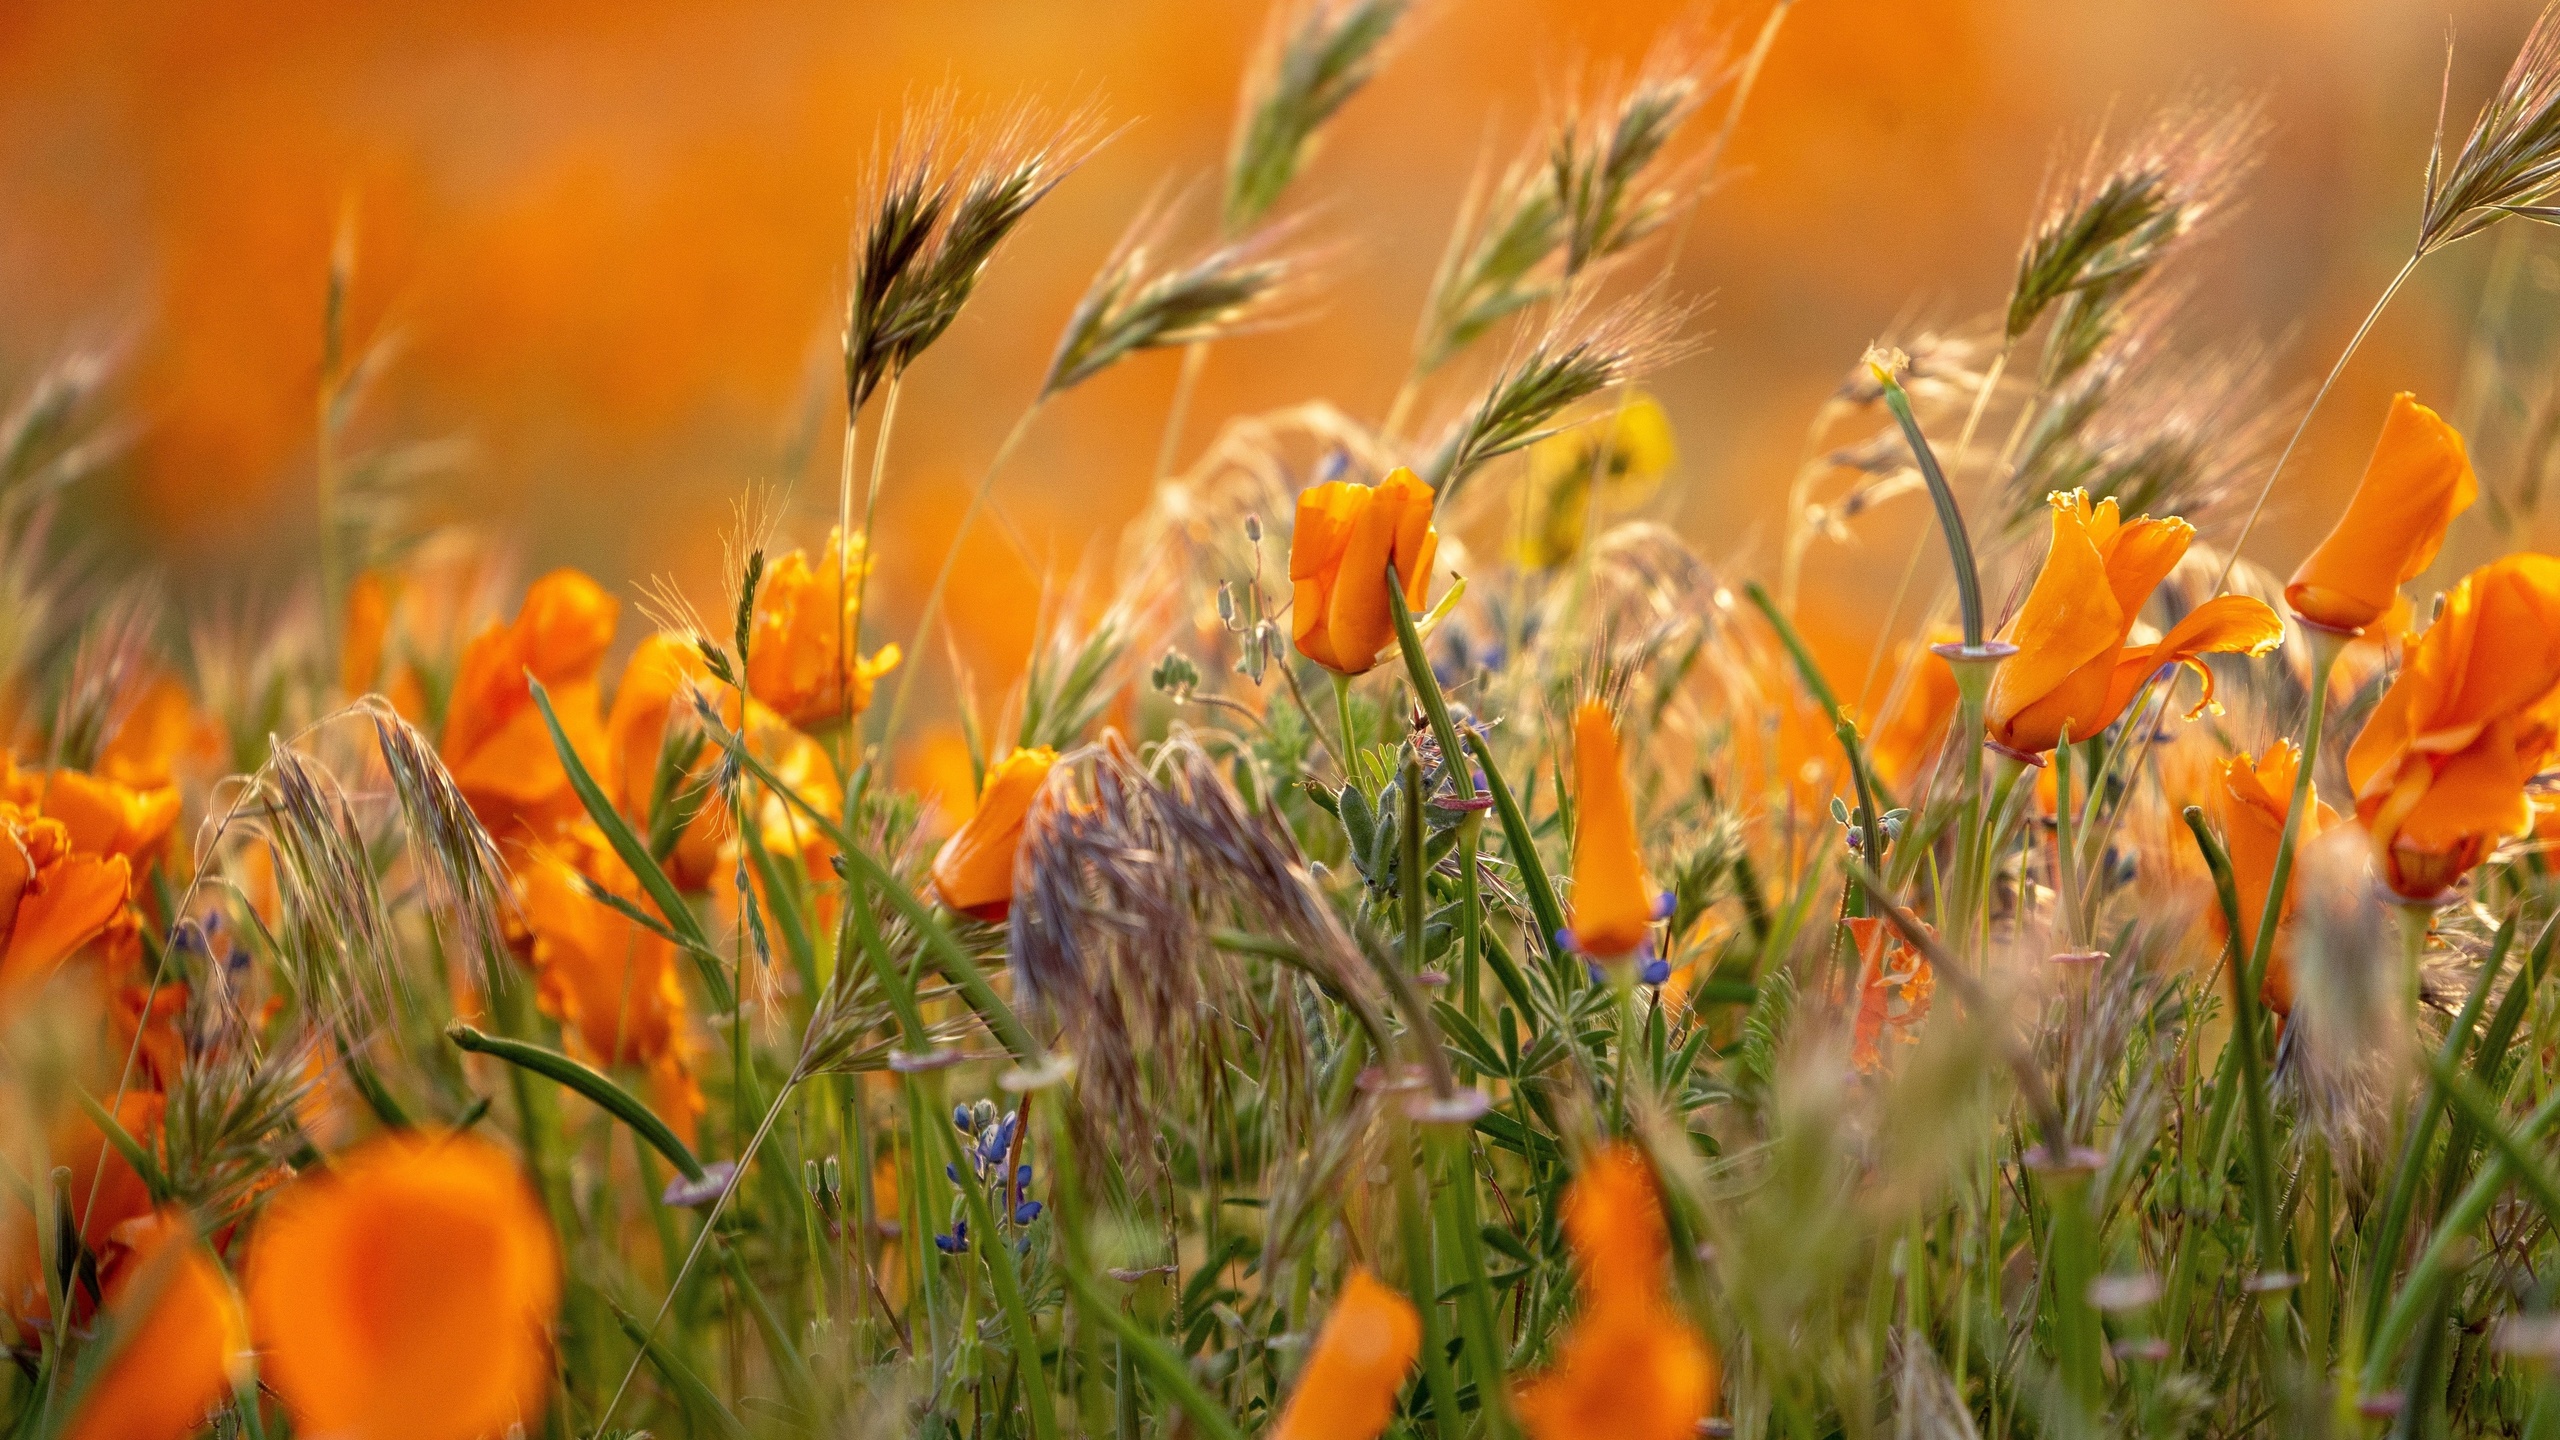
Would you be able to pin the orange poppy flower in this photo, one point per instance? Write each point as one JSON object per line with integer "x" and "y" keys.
{"x": 494, "y": 739}
{"x": 804, "y": 616}
{"x": 148, "y": 1022}
{"x": 365, "y": 632}
{"x": 1613, "y": 906}
{"x": 407, "y": 1293}
{"x": 179, "y": 1331}
{"x": 1346, "y": 534}
{"x": 2252, "y": 802}
{"x": 1908, "y": 736}
{"x": 102, "y": 816}
{"x": 54, "y": 899}
{"x": 973, "y": 872}
{"x": 611, "y": 982}
{"x": 1630, "y": 1368}
{"x": 159, "y": 728}
{"x": 1895, "y": 984}
{"x": 2074, "y": 669}
{"x": 1367, "y": 1346}
{"x": 2441, "y": 767}
{"x": 2418, "y": 479}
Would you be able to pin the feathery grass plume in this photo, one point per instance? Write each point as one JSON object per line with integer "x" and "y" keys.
{"x": 1073, "y": 676}
{"x": 338, "y": 945}
{"x": 2119, "y": 217}
{"x": 940, "y": 208}
{"x": 1136, "y": 303}
{"x": 2510, "y": 163}
{"x": 2348, "y": 1047}
{"x": 1121, "y": 867}
{"x": 52, "y": 436}
{"x": 2161, "y": 431}
{"x": 459, "y": 867}
{"x": 1594, "y": 186}
{"x": 1311, "y": 63}
{"x": 1579, "y": 355}
{"x": 233, "y": 1117}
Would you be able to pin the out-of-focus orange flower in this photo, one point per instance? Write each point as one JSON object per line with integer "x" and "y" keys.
{"x": 2074, "y": 670}
{"x": 2252, "y": 802}
{"x": 158, "y": 728}
{"x": 1367, "y": 1346}
{"x": 179, "y": 1330}
{"x": 365, "y": 631}
{"x": 148, "y": 1022}
{"x": 494, "y": 739}
{"x": 407, "y": 1293}
{"x": 973, "y": 872}
{"x": 1630, "y": 1368}
{"x": 2418, "y": 479}
{"x": 804, "y": 617}
{"x": 1911, "y": 732}
{"x": 1346, "y": 534}
{"x": 54, "y": 899}
{"x": 103, "y": 1193}
{"x": 102, "y": 816}
{"x": 1895, "y": 984}
{"x": 1612, "y": 905}
{"x": 611, "y": 983}
{"x": 2441, "y": 767}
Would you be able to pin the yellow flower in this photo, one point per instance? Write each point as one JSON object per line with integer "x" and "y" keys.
{"x": 2418, "y": 479}
{"x": 2441, "y": 768}
{"x": 1346, "y": 534}
{"x": 1367, "y": 1346}
{"x": 1630, "y": 1368}
{"x": 612, "y": 983}
{"x": 407, "y": 1293}
{"x": 2252, "y": 802}
{"x": 494, "y": 739}
{"x": 973, "y": 872}
{"x": 2074, "y": 669}
{"x": 1612, "y": 905}
{"x": 179, "y": 1331}
{"x": 804, "y": 616}
{"x": 1612, "y": 463}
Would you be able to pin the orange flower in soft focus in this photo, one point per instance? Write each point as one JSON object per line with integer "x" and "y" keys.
{"x": 1895, "y": 983}
{"x": 2418, "y": 479}
{"x": 2252, "y": 803}
{"x": 153, "y": 1018}
{"x": 2074, "y": 670}
{"x": 102, "y": 816}
{"x": 494, "y": 739}
{"x": 104, "y": 1192}
{"x": 1346, "y": 534}
{"x": 159, "y": 727}
{"x": 365, "y": 631}
{"x": 2441, "y": 768}
{"x": 611, "y": 982}
{"x": 1367, "y": 1346}
{"x": 804, "y": 617}
{"x": 54, "y": 899}
{"x": 1630, "y": 1368}
{"x": 1912, "y": 731}
{"x": 973, "y": 872}
{"x": 407, "y": 1293}
{"x": 1613, "y": 907}
{"x": 178, "y": 1329}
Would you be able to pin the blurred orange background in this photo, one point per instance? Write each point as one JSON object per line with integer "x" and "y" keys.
{"x": 611, "y": 240}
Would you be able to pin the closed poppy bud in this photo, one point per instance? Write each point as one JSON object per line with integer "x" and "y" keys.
{"x": 495, "y": 741}
{"x": 178, "y": 1331}
{"x": 2075, "y": 670}
{"x": 805, "y": 616}
{"x": 1629, "y": 1367}
{"x": 1346, "y": 536}
{"x": 1612, "y": 905}
{"x": 2253, "y": 800}
{"x": 2418, "y": 479}
{"x": 1367, "y": 1346}
{"x": 2440, "y": 769}
{"x": 973, "y": 872}
{"x": 407, "y": 1293}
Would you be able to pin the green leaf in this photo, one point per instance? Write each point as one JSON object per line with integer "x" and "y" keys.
{"x": 586, "y": 1080}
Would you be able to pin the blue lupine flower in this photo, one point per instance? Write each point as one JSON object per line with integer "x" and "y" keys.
{"x": 955, "y": 1242}
{"x": 1026, "y": 1212}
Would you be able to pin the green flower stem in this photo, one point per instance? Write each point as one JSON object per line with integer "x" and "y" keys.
{"x": 1453, "y": 757}
{"x": 2244, "y": 1070}
{"x": 1342, "y": 715}
{"x": 1422, "y": 1281}
{"x": 2325, "y": 647}
{"x": 1943, "y": 496}
{"x": 1541, "y": 891}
